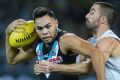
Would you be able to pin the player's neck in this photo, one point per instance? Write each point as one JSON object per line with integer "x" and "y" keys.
{"x": 47, "y": 45}
{"x": 100, "y": 30}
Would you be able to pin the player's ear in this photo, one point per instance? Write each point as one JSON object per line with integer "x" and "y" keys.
{"x": 56, "y": 22}
{"x": 103, "y": 19}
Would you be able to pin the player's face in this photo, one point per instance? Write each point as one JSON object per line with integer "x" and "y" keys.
{"x": 93, "y": 17}
{"x": 46, "y": 28}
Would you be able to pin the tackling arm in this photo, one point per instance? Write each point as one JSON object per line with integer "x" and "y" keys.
{"x": 78, "y": 45}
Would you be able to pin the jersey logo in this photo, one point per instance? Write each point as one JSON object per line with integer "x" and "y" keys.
{"x": 56, "y": 60}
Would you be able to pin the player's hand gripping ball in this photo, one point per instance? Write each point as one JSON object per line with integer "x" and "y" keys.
{"x": 24, "y": 36}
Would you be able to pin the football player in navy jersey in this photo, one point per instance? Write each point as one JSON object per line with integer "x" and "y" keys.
{"x": 55, "y": 49}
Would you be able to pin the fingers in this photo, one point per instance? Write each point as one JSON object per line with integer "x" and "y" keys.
{"x": 41, "y": 68}
{"x": 37, "y": 72}
{"x": 21, "y": 21}
{"x": 15, "y": 29}
{"x": 18, "y": 22}
{"x": 15, "y": 25}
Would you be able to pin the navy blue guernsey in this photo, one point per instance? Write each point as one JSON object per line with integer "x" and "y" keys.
{"x": 53, "y": 54}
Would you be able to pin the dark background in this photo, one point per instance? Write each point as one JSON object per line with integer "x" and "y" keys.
{"x": 71, "y": 17}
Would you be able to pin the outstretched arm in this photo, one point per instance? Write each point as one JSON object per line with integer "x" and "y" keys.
{"x": 72, "y": 69}
{"x": 77, "y": 45}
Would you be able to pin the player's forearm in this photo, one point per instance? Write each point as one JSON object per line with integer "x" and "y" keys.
{"x": 99, "y": 65}
{"x": 72, "y": 69}
{"x": 9, "y": 52}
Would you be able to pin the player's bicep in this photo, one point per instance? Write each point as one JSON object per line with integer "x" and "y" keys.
{"x": 77, "y": 45}
{"x": 106, "y": 46}
{"x": 82, "y": 47}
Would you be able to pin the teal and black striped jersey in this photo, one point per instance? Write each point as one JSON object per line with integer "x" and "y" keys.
{"x": 54, "y": 54}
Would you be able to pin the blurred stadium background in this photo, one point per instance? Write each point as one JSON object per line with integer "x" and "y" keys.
{"x": 71, "y": 17}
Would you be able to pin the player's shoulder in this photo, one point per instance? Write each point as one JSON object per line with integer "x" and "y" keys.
{"x": 68, "y": 35}
{"x": 66, "y": 38}
{"x": 107, "y": 41}
{"x": 71, "y": 38}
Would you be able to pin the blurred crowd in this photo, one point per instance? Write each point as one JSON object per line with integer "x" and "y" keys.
{"x": 71, "y": 17}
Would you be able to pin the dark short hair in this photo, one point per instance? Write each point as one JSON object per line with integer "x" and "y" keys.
{"x": 107, "y": 10}
{"x": 42, "y": 11}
